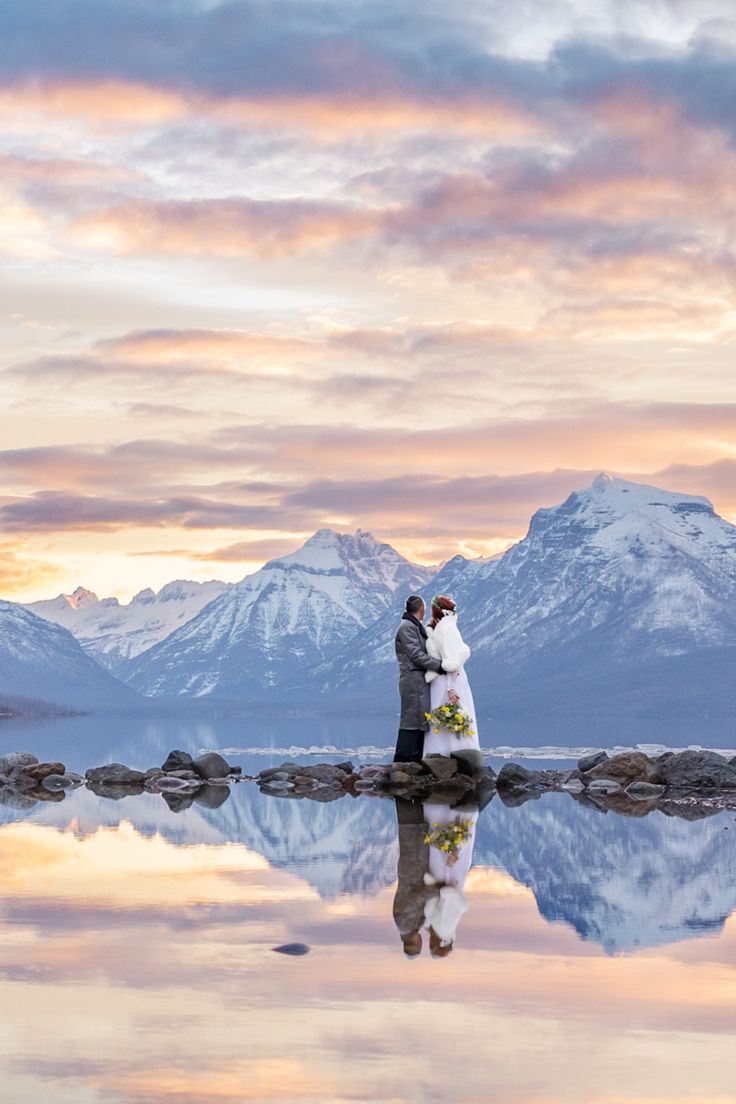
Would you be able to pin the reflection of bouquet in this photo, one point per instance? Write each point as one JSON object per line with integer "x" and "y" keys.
{"x": 453, "y": 717}
{"x": 448, "y": 837}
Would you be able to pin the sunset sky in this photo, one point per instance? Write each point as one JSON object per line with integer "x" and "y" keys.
{"x": 415, "y": 267}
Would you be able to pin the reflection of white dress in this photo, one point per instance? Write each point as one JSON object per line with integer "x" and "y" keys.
{"x": 444, "y": 910}
{"x": 445, "y": 643}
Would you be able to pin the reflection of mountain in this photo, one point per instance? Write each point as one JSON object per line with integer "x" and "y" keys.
{"x": 620, "y": 882}
{"x": 345, "y": 846}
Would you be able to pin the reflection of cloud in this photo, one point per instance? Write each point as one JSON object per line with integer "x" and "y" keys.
{"x": 146, "y": 969}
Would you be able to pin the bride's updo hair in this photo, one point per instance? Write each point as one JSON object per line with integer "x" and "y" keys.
{"x": 441, "y": 604}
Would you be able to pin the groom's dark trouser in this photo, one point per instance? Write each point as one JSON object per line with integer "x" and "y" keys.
{"x": 409, "y": 746}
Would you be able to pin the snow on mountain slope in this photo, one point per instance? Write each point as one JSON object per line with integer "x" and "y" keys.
{"x": 285, "y": 619}
{"x": 652, "y": 570}
{"x": 113, "y": 632}
{"x": 623, "y": 589}
{"x": 40, "y": 661}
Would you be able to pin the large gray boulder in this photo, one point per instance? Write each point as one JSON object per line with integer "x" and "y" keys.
{"x": 440, "y": 767}
{"x": 211, "y": 765}
{"x": 325, "y": 772}
{"x": 16, "y": 759}
{"x": 116, "y": 773}
{"x": 469, "y": 761}
{"x": 512, "y": 776}
{"x": 593, "y": 760}
{"x": 629, "y": 766}
{"x": 697, "y": 770}
{"x": 177, "y": 760}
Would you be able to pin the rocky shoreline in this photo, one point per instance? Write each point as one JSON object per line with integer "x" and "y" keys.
{"x": 689, "y": 784}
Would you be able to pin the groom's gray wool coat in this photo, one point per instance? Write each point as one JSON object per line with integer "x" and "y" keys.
{"x": 411, "y": 652}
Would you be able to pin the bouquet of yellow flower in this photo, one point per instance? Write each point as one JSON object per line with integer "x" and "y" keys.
{"x": 448, "y": 837}
{"x": 453, "y": 717}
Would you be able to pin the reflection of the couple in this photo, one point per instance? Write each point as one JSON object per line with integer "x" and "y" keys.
{"x": 435, "y": 854}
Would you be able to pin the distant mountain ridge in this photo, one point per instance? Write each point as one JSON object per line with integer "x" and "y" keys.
{"x": 621, "y": 597}
{"x": 113, "y": 632}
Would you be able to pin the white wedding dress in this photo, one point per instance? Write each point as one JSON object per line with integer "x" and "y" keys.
{"x": 444, "y": 909}
{"x": 446, "y": 644}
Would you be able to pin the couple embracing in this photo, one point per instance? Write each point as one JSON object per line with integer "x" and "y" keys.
{"x": 431, "y": 675}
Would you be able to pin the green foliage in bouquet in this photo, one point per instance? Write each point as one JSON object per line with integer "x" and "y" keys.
{"x": 448, "y": 837}
{"x": 453, "y": 717}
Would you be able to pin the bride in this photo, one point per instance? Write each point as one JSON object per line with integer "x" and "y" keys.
{"x": 445, "y": 643}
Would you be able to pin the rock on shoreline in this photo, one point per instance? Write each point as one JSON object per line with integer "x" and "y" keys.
{"x": 630, "y": 783}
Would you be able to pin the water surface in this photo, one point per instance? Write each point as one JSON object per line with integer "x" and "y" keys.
{"x": 596, "y": 961}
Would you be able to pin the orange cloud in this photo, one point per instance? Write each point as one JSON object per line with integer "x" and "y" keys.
{"x": 327, "y": 115}
{"x": 324, "y": 114}
{"x": 250, "y": 1078}
{"x": 93, "y": 102}
{"x": 19, "y": 572}
{"x": 225, "y": 227}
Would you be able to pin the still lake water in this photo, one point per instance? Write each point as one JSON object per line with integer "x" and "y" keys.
{"x": 596, "y": 961}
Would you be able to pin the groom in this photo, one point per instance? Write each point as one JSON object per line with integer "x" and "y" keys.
{"x": 411, "y": 652}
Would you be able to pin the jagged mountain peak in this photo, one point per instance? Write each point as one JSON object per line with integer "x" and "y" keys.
{"x": 328, "y": 549}
{"x": 617, "y": 514}
{"x": 626, "y": 496}
{"x": 143, "y": 597}
{"x": 112, "y": 632}
{"x": 284, "y": 619}
{"x": 80, "y": 598}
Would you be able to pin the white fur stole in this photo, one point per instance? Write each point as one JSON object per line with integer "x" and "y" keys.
{"x": 445, "y": 643}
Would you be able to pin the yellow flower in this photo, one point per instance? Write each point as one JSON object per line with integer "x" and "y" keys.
{"x": 435, "y": 730}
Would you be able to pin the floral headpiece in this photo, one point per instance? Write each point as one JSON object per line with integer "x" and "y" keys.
{"x": 436, "y": 604}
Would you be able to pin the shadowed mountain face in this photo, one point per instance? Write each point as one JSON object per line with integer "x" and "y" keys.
{"x": 619, "y": 882}
{"x": 41, "y": 662}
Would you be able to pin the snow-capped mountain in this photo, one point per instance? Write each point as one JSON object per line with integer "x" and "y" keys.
{"x": 113, "y": 632}
{"x": 43, "y": 663}
{"x": 281, "y": 622}
{"x": 623, "y": 590}
{"x": 644, "y": 565}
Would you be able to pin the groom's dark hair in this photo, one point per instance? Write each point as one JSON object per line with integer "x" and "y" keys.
{"x": 414, "y": 603}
